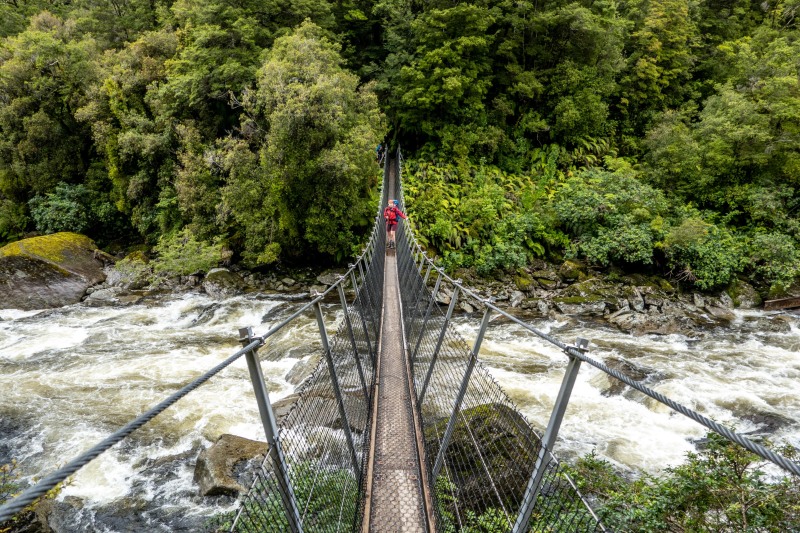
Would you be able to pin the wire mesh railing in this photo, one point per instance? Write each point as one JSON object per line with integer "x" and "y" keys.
{"x": 313, "y": 479}
{"x": 486, "y": 463}
{"x": 480, "y": 451}
{"x": 313, "y": 471}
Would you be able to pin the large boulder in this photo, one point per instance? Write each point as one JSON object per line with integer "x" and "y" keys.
{"x": 744, "y": 295}
{"x": 48, "y": 271}
{"x": 221, "y": 282}
{"x": 216, "y": 469}
{"x": 490, "y": 437}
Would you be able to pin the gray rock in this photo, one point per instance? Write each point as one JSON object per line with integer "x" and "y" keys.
{"x": 302, "y": 369}
{"x": 109, "y": 296}
{"x": 726, "y": 301}
{"x": 643, "y": 324}
{"x": 215, "y": 467}
{"x": 466, "y": 307}
{"x": 580, "y": 308}
{"x": 329, "y": 277}
{"x": 221, "y": 282}
{"x": 284, "y": 406}
{"x": 653, "y": 300}
{"x": 744, "y": 295}
{"x": 720, "y": 313}
{"x": 288, "y": 282}
{"x": 516, "y": 298}
{"x": 699, "y": 301}
{"x": 543, "y": 307}
{"x": 636, "y": 300}
{"x": 48, "y": 271}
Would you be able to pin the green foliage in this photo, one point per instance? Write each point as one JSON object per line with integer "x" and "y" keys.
{"x": 8, "y": 481}
{"x": 705, "y": 254}
{"x": 312, "y": 189}
{"x": 723, "y": 487}
{"x": 613, "y": 217}
{"x": 67, "y": 208}
{"x": 331, "y": 496}
{"x": 182, "y": 254}
{"x": 9, "y": 488}
{"x": 480, "y": 216}
{"x": 13, "y": 220}
{"x": 776, "y": 260}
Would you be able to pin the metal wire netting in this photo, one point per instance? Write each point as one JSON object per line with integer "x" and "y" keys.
{"x": 325, "y": 471}
{"x": 492, "y": 450}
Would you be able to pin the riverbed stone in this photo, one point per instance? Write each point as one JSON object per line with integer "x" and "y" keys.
{"x": 221, "y": 282}
{"x": 579, "y": 306}
{"x": 744, "y": 295}
{"x": 104, "y": 297}
{"x": 720, "y": 313}
{"x": 516, "y": 298}
{"x": 571, "y": 270}
{"x": 215, "y": 467}
{"x": 302, "y": 369}
{"x": 329, "y": 277}
{"x": 48, "y": 271}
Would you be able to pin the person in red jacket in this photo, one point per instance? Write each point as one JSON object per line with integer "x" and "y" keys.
{"x": 391, "y": 214}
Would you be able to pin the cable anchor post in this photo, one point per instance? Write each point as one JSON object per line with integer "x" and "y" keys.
{"x": 270, "y": 424}
{"x": 548, "y": 441}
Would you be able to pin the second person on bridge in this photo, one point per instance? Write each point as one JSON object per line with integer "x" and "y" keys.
{"x": 391, "y": 214}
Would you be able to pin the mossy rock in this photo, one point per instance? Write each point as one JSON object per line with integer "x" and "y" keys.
{"x": 572, "y": 270}
{"x": 506, "y": 447}
{"x": 744, "y": 295}
{"x": 48, "y": 271}
{"x": 221, "y": 282}
{"x": 523, "y": 281}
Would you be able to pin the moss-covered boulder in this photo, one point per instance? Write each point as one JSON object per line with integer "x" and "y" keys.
{"x": 221, "y": 282}
{"x": 493, "y": 438}
{"x": 572, "y": 271}
{"x": 48, "y": 271}
{"x": 217, "y": 467}
{"x": 744, "y": 295}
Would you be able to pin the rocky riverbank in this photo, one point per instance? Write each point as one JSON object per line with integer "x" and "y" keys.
{"x": 62, "y": 269}
{"x": 633, "y": 303}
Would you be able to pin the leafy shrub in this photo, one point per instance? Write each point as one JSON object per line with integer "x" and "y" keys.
{"x": 612, "y": 217}
{"x": 13, "y": 220}
{"x": 479, "y": 216}
{"x": 705, "y": 254}
{"x": 67, "y": 208}
{"x": 723, "y": 487}
{"x": 8, "y": 481}
{"x": 775, "y": 260}
{"x": 181, "y": 254}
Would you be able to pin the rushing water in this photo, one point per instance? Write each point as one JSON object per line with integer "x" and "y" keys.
{"x": 69, "y": 377}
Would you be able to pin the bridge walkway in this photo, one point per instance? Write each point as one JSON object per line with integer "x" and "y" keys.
{"x": 396, "y": 484}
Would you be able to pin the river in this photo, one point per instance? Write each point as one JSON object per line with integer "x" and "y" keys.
{"x": 69, "y": 377}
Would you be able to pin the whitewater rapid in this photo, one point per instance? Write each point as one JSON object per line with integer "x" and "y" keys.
{"x": 71, "y": 376}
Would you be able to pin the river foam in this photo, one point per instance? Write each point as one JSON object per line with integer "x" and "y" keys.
{"x": 71, "y": 376}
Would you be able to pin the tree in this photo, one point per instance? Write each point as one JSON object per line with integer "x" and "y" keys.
{"x": 659, "y": 67}
{"x": 316, "y": 131}
{"x": 44, "y": 74}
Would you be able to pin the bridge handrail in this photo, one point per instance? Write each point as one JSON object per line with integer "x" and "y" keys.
{"x": 572, "y": 351}
{"x": 31, "y": 494}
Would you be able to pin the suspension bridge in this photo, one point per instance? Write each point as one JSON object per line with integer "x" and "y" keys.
{"x": 401, "y": 428}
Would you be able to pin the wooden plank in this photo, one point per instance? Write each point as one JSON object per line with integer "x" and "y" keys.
{"x": 782, "y": 303}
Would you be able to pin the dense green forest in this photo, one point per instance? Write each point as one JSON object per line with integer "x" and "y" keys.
{"x": 655, "y": 135}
